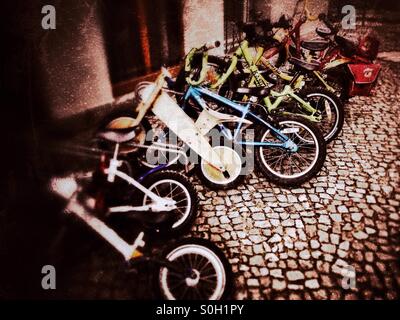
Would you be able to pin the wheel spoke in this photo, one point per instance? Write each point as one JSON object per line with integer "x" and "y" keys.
{"x": 184, "y": 292}
{"x": 170, "y": 195}
{"x": 179, "y": 201}
{"x": 204, "y": 266}
{"x": 302, "y": 159}
{"x": 297, "y": 166}
{"x": 181, "y": 192}
{"x": 157, "y": 191}
{"x": 209, "y": 276}
{"x": 178, "y": 284}
{"x": 280, "y": 163}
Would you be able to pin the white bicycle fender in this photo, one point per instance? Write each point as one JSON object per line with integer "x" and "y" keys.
{"x": 205, "y": 122}
{"x": 167, "y": 110}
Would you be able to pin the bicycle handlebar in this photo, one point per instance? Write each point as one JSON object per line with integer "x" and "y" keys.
{"x": 207, "y": 46}
{"x": 189, "y": 58}
{"x": 322, "y": 17}
{"x": 214, "y": 45}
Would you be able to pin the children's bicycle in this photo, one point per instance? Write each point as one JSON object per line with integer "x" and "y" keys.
{"x": 289, "y": 151}
{"x": 155, "y": 97}
{"x": 120, "y": 188}
{"x": 188, "y": 269}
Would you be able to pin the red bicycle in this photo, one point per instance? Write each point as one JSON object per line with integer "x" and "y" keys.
{"x": 343, "y": 66}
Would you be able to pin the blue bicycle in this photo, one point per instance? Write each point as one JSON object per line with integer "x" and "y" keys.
{"x": 289, "y": 151}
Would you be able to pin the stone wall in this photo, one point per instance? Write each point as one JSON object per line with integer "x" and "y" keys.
{"x": 279, "y": 7}
{"x": 72, "y": 61}
{"x": 203, "y": 22}
{"x": 274, "y": 9}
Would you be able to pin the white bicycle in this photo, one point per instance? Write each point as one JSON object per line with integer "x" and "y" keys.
{"x": 187, "y": 269}
{"x": 220, "y": 166}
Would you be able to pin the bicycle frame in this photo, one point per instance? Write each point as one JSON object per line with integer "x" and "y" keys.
{"x": 67, "y": 187}
{"x": 197, "y": 93}
{"x": 168, "y": 111}
{"x": 257, "y": 80}
{"x": 159, "y": 204}
{"x": 326, "y": 65}
{"x": 263, "y": 54}
{"x": 293, "y": 36}
{"x": 289, "y": 92}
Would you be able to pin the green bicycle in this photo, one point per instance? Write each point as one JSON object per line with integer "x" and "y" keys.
{"x": 237, "y": 76}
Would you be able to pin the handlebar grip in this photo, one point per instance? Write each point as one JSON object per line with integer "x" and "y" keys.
{"x": 209, "y": 46}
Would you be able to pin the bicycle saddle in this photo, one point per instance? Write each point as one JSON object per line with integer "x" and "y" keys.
{"x": 309, "y": 66}
{"x": 315, "y": 45}
{"x": 220, "y": 115}
{"x": 254, "y": 91}
{"x": 117, "y": 135}
{"x": 348, "y": 46}
{"x": 324, "y": 31}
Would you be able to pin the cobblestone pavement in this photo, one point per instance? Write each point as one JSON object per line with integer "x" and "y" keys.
{"x": 308, "y": 243}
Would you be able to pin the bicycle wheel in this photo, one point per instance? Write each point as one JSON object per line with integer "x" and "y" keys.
{"x": 202, "y": 272}
{"x": 287, "y": 168}
{"x": 336, "y": 77}
{"x": 216, "y": 179}
{"x": 210, "y": 176}
{"x": 330, "y": 108}
{"x": 176, "y": 186}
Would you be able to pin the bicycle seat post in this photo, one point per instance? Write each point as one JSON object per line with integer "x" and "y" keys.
{"x": 139, "y": 243}
{"x": 295, "y": 78}
{"x": 114, "y": 164}
{"x": 116, "y": 150}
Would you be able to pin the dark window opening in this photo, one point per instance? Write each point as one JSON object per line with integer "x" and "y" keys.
{"x": 141, "y": 36}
